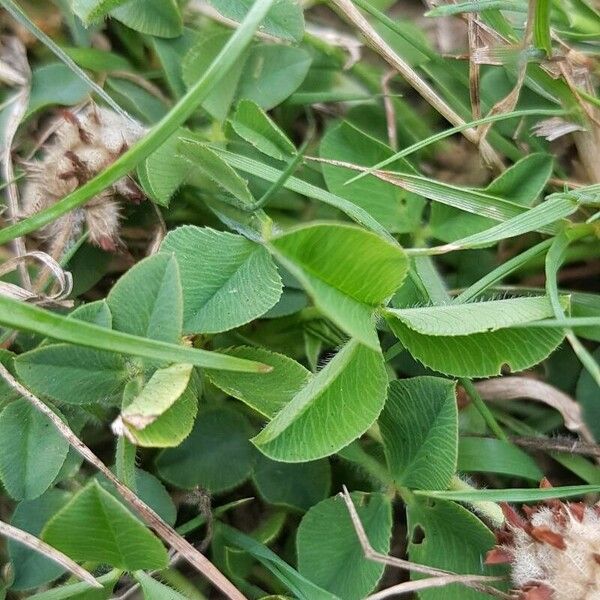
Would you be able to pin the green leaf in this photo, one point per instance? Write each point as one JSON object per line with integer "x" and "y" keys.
{"x": 93, "y": 10}
{"x": 209, "y": 164}
{"x": 216, "y": 456}
{"x": 397, "y": 210}
{"x": 72, "y": 374}
{"x": 97, "y": 60}
{"x": 541, "y": 26}
{"x": 7, "y": 393}
{"x": 345, "y": 284}
{"x": 32, "y": 451}
{"x": 472, "y": 201}
{"x": 172, "y": 426}
{"x": 587, "y": 397}
{"x": 96, "y": 313}
{"x": 30, "y": 568}
{"x": 524, "y": 181}
{"x": 149, "y": 489}
{"x": 227, "y": 280}
{"x": 138, "y": 101}
{"x": 488, "y": 455}
{"x": 272, "y": 73}
{"x": 555, "y": 208}
{"x": 476, "y": 339}
{"x": 165, "y": 170}
{"x": 154, "y": 590}
{"x": 329, "y": 552}
{"x": 267, "y": 393}
{"x": 419, "y": 426}
{"x": 147, "y": 300}
{"x": 479, "y": 354}
{"x": 198, "y": 59}
{"x": 55, "y": 84}
{"x": 19, "y": 315}
{"x": 82, "y": 590}
{"x": 251, "y": 123}
{"x": 294, "y": 485}
{"x": 157, "y": 396}
{"x": 474, "y": 317}
{"x": 513, "y": 494}
{"x": 317, "y": 422}
{"x": 284, "y": 20}
{"x": 301, "y": 588}
{"x": 447, "y": 536}
{"x": 152, "y": 17}
{"x": 170, "y": 52}
{"x": 96, "y": 527}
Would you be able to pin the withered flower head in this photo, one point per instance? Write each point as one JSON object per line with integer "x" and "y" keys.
{"x": 553, "y": 550}
{"x": 82, "y": 146}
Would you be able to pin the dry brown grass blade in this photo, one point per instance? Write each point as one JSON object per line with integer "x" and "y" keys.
{"x": 569, "y": 446}
{"x": 474, "y": 42}
{"x": 501, "y": 389}
{"x": 509, "y": 102}
{"x": 474, "y": 581}
{"x": 350, "y": 13}
{"x": 390, "y": 112}
{"x": 430, "y": 582}
{"x": 63, "y": 280}
{"x": 14, "y": 53}
{"x": 48, "y": 551}
{"x": 162, "y": 529}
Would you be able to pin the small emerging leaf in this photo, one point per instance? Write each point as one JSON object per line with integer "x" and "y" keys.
{"x": 158, "y": 395}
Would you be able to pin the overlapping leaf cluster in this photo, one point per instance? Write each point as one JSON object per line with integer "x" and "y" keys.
{"x": 315, "y": 314}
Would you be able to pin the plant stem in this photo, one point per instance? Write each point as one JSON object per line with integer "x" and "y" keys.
{"x": 484, "y": 411}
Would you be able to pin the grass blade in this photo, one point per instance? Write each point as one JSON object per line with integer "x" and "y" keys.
{"x": 249, "y": 165}
{"x": 501, "y": 272}
{"x": 554, "y": 260}
{"x": 541, "y": 26}
{"x": 449, "y": 132}
{"x": 535, "y": 219}
{"x": 473, "y": 201}
{"x": 18, "y": 315}
{"x": 512, "y": 495}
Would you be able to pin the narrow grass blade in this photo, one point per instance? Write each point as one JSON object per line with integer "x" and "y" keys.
{"x": 218, "y": 69}
{"x": 554, "y": 259}
{"x": 449, "y": 132}
{"x": 566, "y": 322}
{"x": 541, "y": 26}
{"x": 501, "y": 272}
{"x": 249, "y": 165}
{"x": 512, "y": 495}
{"x": 473, "y": 201}
{"x": 534, "y": 219}
{"x": 18, "y": 315}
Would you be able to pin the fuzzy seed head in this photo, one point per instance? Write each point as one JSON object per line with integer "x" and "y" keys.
{"x": 82, "y": 146}
{"x": 554, "y": 551}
